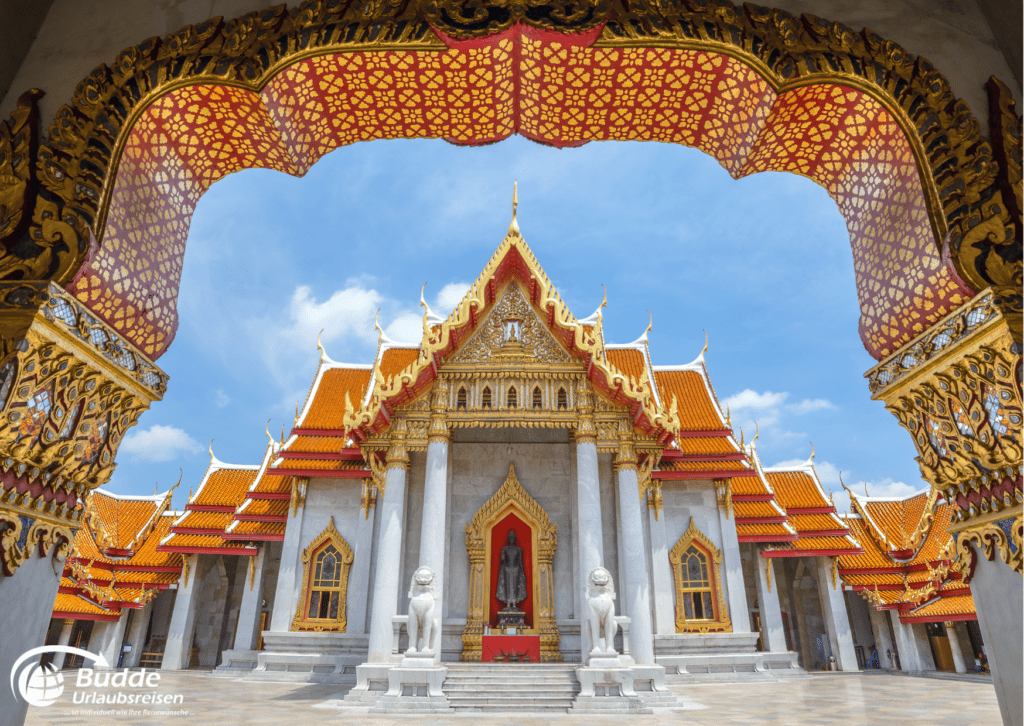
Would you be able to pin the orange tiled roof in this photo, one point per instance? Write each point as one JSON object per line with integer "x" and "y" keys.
{"x": 944, "y": 608}
{"x": 263, "y": 508}
{"x": 762, "y": 510}
{"x": 872, "y": 557}
{"x": 327, "y": 409}
{"x": 395, "y": 360}
{"x": 67, "y": 604}
{"x": 796, "y": 489}
{"x": 224, "y": 485}
{"x": 697, "y": 411}
{"x": 319, "y": 465}
{"x": 704, "y": 466}
{"x": 629, "y": 361}
{"x": 259, "y": 528}
{"x": 698, "y": 445}
{"x": 764, "y": 530}
{"x": 123, "y": 517}
{"x": 896, "y": 519}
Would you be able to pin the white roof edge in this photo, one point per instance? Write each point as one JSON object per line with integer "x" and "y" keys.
{"x": 862, "y": 498}
{"x": 156, "y": 498}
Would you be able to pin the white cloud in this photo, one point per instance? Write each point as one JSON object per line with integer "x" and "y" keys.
{"x": 220, "y": 399}
{"x": 450, "y": 296}
{"x": 808, "y": 405}
{"x": 888, "y": 488}
{"x": 158, "y": 443}
{"x": 406, "y": 328}
{"x": 766, "y": 412}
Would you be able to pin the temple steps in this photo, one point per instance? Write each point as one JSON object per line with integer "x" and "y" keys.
{"x": 506, "y": 686}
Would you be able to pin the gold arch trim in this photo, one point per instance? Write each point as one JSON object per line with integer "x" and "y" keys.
{"x": 511, "y": 498}
{"x": 721, "y": 623}
{"x": 329, "y": 535}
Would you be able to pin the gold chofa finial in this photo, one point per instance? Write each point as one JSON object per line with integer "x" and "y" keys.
{"x": 282, "y": 434}
{"x": 211, "y": 451}
{"x": 513, "y": 226}
{"x": 812, "y": 452}
{"x": 728, "y": 416}
{"x": 705, "y": 348}
{"x": 271, "y": 438}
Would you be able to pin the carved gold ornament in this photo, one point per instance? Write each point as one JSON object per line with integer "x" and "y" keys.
{"x": 1000, "y": 538}
{"x": 706, "y": 579}
{"x": 20, "y": 535}
{"x": 511, "y": 498}
{"x": 317, "y": 582}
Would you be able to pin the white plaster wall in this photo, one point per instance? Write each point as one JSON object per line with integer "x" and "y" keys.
{"x": 545, "y": 466}
{"x": 685, "y": 499}
{"x": 326, "y": 498}
{"x": 79, "y": 35}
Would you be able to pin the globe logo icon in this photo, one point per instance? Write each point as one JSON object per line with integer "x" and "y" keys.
{"x": 41, "y": 685}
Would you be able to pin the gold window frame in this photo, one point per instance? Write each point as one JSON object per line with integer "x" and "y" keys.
{"x": 720, "y": 623}
{"x": 329, "y": 536}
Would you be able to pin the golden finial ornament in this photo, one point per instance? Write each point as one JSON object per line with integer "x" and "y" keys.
{"x": 296, "y": 413}
{"x": 757, "y": 432}
{"x": 741, "y": 438}
{"x": 728, "y": 416}
{"x": 513, "y": 227}
{"x": 812, "y": 453}
{"x": 211, "y": 451}
{"x": 282, "y": 434}
{"x": 269, "y": 437}
{"x": 319, "y": 346}
{"x": 181, "y": 474}
{"x": 705, "y": 348}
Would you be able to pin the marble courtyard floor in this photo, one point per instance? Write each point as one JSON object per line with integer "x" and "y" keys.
{"x": 820, "y": 699}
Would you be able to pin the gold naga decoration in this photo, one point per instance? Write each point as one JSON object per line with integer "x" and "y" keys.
{"x": 329, "y": 536}
{"x": 720, "y": 623}
{"x": 59, "y": 192}
{"x": 955, "y": 388}
{"x": 511, "y": 497}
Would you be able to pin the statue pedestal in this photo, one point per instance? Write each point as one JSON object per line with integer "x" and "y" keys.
{"x": 415, "y": 685}
{"x": 607, "y": 687}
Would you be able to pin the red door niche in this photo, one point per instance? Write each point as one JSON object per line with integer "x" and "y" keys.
{"x": 524, "y": 538}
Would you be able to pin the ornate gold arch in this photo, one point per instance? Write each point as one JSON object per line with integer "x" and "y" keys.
{"x": 329, "y": 535}
{"x": 511, "y": 497}
{"x": 57, "y": 204}
{"x": 721, "y": 623}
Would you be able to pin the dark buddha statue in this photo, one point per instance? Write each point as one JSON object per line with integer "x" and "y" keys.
{"x": 511, "y": 588}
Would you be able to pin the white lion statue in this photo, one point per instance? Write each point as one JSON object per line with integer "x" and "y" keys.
{"x": 601, "y": 598}
{"x": 422, "y": 601}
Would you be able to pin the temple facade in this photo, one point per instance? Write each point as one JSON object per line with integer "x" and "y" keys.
{"x": 510, "y": 455}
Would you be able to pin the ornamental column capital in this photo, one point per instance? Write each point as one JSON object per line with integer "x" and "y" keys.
{"x": 586, "y": 431}
{"x": 398, "y": 454}
{"x": 438, "y": 431}
{"x": 625, "y": 457}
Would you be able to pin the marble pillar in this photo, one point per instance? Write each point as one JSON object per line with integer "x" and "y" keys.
{"x": 925, "y": 658}
{"x": 732, "y": 567}
{"x": 358, "y": 595}
{"x": 247, "y": 631}
{"x": 588, "y": 515}
{"x": 801, "y": 617}
{"x": 998, "y": 598}
{"x": 773, "y": 632}
{"x": 389, "y": 548}
{"x": 905, "y": 644}
{"x": 837, "y": 619}
{"x": 107, "y": 637}
{"x": 178, "y": 648}
{"x": 635, "y": 599}
{"x": 137, "y": 635}
{"x": 954, "y": 648}
{"x": 883, "y": 642}
{"x": 64, "y": 639}
{"x": 661, "y": 569}
{"x": 435, "y": 498}
{"x": 290, "y": 569}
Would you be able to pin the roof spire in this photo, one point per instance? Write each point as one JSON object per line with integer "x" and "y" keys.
{"x": 757, "y": 432}
{"x": 271, "y": 438}
{"x": 812, "y": 453}
{"x": 705, "y": 348}
{"x": 728, "y": 416}
{"x": 513, "y": 227}
{"x": 282, "y": 434}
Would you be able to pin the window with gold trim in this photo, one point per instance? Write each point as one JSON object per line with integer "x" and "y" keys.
{"x": 696, "y": 567}
{"x": 325, "y": 566}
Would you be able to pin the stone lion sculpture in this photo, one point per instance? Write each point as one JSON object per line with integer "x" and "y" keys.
{"x": 422, "y": 601}
{"x": 601, "y": 598}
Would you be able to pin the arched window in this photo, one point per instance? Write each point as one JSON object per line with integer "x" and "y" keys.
{"x": 486, "y": 398}
{"x": 325, "y": 567}
{"x": 563, "y": 400}
{"x": 537, "y": 402}
{"x": 696, "y": 563}
{"x": 512, "y": 401}
{"x": 460, "y": 400}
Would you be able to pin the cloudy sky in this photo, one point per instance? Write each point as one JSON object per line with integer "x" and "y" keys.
{"x": 763, "y": 264}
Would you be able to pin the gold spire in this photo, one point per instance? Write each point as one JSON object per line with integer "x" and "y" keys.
{"x": 812, "y": 453}
{"x": 513, "y": 227}
{"x": 319, "y": 346}
{"x": 705, "y": 348}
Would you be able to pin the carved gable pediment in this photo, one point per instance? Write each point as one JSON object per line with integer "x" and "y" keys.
{"x": 512, "y": 334}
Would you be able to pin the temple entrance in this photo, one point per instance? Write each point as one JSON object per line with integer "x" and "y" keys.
{"x": 511, "y": 543}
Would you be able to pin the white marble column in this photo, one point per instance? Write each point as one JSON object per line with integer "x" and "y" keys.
{"x": 178, "y": 648}
{"x": 358, "y": 595}
{"x": 389, "y": 548}
{"x": 290, "y": 568}
{"x": 883, "y": 643}
{"x": 905, "y": 643}
{"x": 137, "y": 635}
{"x": 837, "y": 620}
{"x": 247, "y": 631}
{"x": 925, "y": 658}
{"x": 773, "y": 633}
{"x": 63, "y": 639}
{"x": 435, "y": 498}
{"x": 588, "y": 509}
{"x": 732, "y": 564}
{"x": 954, "y": 648}
{"x": 661, "y": 568}
{"x": 635, "y": 599}
{"x": 107, "y": 637}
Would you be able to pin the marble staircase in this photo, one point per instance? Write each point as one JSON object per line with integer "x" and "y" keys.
{"x": 509, "y": 687}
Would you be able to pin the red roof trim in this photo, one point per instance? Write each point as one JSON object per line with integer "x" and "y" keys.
{"x": 810, "y": 553}
{"x": 823, "y": 532}
{"x": 938, "y": 618}
{"x": 753, "y": 498}
{"x": 197, "y": 530}
{"x": 215, "y": 508}
{"x": 808, "y": 510}
{"x": 703, "y": 474}
{"x": 872, "y": 571}
{"x": 673, "y": 456}
{"x": 114, "y": 552}
{"x": 262, "y": 537}
{"x": 323, "y": 473}
{"x": 761, "y": 520}
{"x": 767, "y": 538}
{"x": 146, "y": 568}
{"x": 210, "y": 550}
{"x": 65, "y": 615}
{"x": 343, "y": 455}
{"x": 261, "y": 517}
{"x": 268, "y": 495}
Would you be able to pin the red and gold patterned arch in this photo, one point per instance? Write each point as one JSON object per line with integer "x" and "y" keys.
{"x": 758, "y": 90}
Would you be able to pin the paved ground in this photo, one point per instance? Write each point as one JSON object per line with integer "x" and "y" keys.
{"x": 821, "y": 700}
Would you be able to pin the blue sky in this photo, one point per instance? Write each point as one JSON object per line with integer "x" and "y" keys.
{"x": 763, "y": 264}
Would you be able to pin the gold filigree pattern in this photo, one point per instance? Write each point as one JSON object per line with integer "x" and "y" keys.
{"x": 20, "y": 535}
{"x": 511, "y": 497}
{"x": 992, "y": 539}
